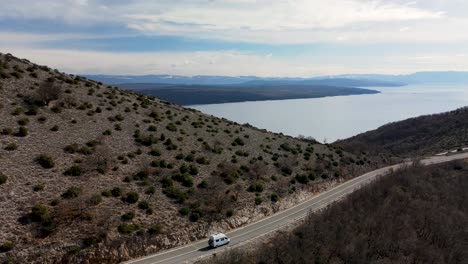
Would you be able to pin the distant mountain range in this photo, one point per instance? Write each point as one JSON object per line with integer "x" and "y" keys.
{"x": 348, "y": 80}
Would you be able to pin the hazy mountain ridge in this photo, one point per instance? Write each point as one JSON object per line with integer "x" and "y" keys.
{"x": 239, "y": 81}
{"x": 349, "y": 80}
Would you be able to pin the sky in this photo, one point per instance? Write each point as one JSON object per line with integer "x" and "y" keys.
{"x": 288, "y": 38}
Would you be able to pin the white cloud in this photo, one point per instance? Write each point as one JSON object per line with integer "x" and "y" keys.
{"x": 233, "y": 63}
{"x": 265, "y": 21}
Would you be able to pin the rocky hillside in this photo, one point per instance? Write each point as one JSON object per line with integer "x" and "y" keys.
{"x": 92, "y": 172}
{"x": 422, "y": 135}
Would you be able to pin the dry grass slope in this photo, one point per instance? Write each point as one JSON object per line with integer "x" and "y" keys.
{"x": 93, "y": 172}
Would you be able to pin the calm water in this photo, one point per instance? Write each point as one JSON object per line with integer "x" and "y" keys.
{"x": 333, "y": 118}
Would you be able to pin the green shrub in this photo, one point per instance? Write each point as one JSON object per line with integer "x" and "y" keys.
{"x": 229, "y": 213}
{"x": 154, "y": 230}
{"x": 189, "y": 158}
{"x": 128, "y": 216}
{"x": 143, "y": 205}
{"x": 155, "y": 152}
{"x": 184, "y": 178}
{"x": 202, "y": 160}
{"x": 203, "y": 184}
{"x": 174, "y": 193}
{"x": 45, "y": 161}
{"x": 128, "y": 229}
{"x": 116, "y": 192}
{"x": 171, "y": 127}
{"x": 74, "y": 170}
{"x": 72, "y": 192}
{"x": 274, "y": 197}
{"x": 193, "y": 170}
{"x": 39, "y": 213}
{"x": 258, "y": 200}
{"x": 6, "y": 246}
{"x": 11, "y": 147}
{"x": 304, "y": 179}
{"x": 90, "y": 241}
{"x": 184, "y": 211}
{"x": 42, "y": 119}
{"x": 23, "y": 131}
{"x": 196, "y": 215}
{"x": 7, "y": 131}
{"x": 131, "y": 197}
{"x": 72, "y": 148}
{"x": 73, "y": 249}
{"x": 286, "y": 170}
{"x": 256, "y": 187}
{"x": 38, "y": 187}
{"x": 95, "y": 199}
{"x": 55, "y": 202}
{"x": 238, "y": 142}
{"x": 166, "y": 182}
{"x": 23, "y": 121}
{"x": 3, "y": 178}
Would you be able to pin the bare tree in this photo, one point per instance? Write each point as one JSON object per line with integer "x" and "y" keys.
{"x": 48, "y": 91}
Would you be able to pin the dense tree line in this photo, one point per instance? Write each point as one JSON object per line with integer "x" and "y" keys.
{"x": 415, "y": 215}
{"x": 415, "y": 136}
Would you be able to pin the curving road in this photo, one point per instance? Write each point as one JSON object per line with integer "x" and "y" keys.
{"x": 196, "y": 250}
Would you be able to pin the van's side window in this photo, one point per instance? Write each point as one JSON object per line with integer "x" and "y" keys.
{"x": 217, "y": 240}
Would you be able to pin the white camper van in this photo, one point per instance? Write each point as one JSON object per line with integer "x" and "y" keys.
{"x": 218, "y": 240}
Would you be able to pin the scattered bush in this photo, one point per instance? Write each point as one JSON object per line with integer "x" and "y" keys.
{"x": 74, "y": 170}
{"x": 203, "y": 184}
{"x": 48, "y": 91}
{"x": 45, "y": 161}
{"x": 258, "y": 200}
{"x": 39, "y": 213}
{"x": 7, "y": 131}
{"x": 155, "y": 152}
{"x": 38, "y": 187}
{"x": 274, "y": 197}
{"x": 238, "y": 142}
{"x": 256, "y": 187}
{"x": 184, "y": 211}
{"x": 128, "y": 229}
{"x": 6, "y": 246}
{"x": 128, "y": 216}
{"x": 154, "y": 230}
{"x": 3, "y": 178}
{"x": 174, "y": 193}
{"x": 23, "y": 131}
{"x": 23, "y": 121}
{"x": 90, "y": 241}
{"x": 143, "y": 205}
{"x": 196, "y": 215}
{"x": 11, "y": 147}
{"x": 72, "y": 192}
{"x": 116, "y": 192}
{"x": 131, "y": 197}
{"x": 95, "y": 199}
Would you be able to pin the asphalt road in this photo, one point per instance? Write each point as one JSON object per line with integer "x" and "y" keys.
{"x": 193, "y": 251}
